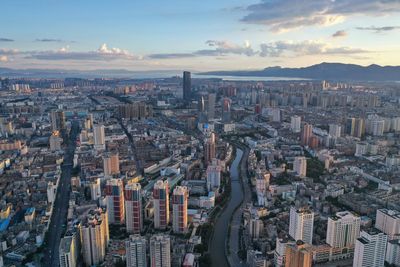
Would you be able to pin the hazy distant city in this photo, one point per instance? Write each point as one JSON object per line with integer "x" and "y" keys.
{"x": 195, "y": 150}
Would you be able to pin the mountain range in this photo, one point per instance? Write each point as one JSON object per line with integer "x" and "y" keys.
{"x": 322, "y": 71}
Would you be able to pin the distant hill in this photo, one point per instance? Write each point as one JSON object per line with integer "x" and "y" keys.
{"x": 323, "y": 71}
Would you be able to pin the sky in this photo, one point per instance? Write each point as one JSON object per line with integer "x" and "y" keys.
{"x": 197, "y": 35}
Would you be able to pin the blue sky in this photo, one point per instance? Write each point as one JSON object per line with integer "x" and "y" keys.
{"x": 197, "y": 35}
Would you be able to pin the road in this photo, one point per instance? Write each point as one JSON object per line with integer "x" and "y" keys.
{"x": 60, "y": 208}
{"x": 219, "y": 239}
{"x": 234, "y": 240}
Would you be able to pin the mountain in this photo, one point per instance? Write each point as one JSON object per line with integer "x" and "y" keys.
{"x": 323, "y": 71}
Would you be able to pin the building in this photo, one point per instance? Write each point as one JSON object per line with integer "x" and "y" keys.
{"x": 350, "y": 126}
{"x": 295, "y": 124}
{"x": 213, "y": 176}
{"x": 133, "y": 208}
{"x": 160, "y": 251}
{"x": 211, "y": 106}
{"x": 209, "y": 148}
{"x": 161, "y": 204}
{"x": 255, "y": 259}
{"x": 262, "y": 183}
{"x": 68, "y": 251}
{"x": 57, "y": 118}
{"x": 343, "y": 230}
{"x": 226, "y": 110}
{"x": 188, "y": 261}
{"x": 306, "y": 134}
{"x": 255, "y": 227}
{"x": 393, "y": 252}
{"x": 280, "y": 251}
{"x": 370, "y": 249}
{"x": 95, "y": 189}
{"x": 135, "y": 111}
{"x": 300, "y": 166}
{"x": 377, "y": 127}
{"x": 99, "y": 137}
{"x": 335, "y": 130}
{"x": 55, "y": 141}
{"x": 135, "y": 249}
{"x": 115, "y": 201}
{"x": 359, "y": 127}
{"x": 388, "y": 221}
{"x": 95, "y": 237}
{"x": 298, "y": 255}
{"x": 179, "y": 209}
{"x": 187, "y": 86}
{"x": 301, "y": 224}
{"x": 111, "y": 164}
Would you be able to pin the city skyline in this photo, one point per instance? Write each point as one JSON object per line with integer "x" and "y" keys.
{"x": 197, "y": 36}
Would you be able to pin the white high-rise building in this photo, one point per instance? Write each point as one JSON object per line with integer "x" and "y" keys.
{"x": 335, "y": 130}
{"x": 262, "y": 183}
{"x": 388, "y": 221}
{"x": 213, "y": 176}
{"x": 160, "y": 251}
{"x": 370, "y": 249}
{"x": 377, "y": 127}
{"x": 95, "y": 189}
{"x": 295, "y": 124}
{"x": 68, "y": 251}
{"x": 300, "y": 166}
{"x": 255, "y": 227}
{"x": 393, "y": 252}
{"x": 136, "y": 251}
{"x": 301, "y": 224}
{"x": 99, "y": 137}
{"x": 51, "y": 192}
{"x": 343, "y": 230}
{"x": 95, "y": 237}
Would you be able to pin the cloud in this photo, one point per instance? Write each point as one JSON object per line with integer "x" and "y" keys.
{"x": 171, "y": 55}
{"x": 341, "y": 33}
{"x": 49, "y": 40}
{"x": 304, "y": 48}
{"x": 103, "y": 53}
{"x": 6, "y": 51}
{"x": 6, "y": 40}
{"x": 284, "y": 15}
{"x": 3, "y": 59}
{"x": 378, "y": 29}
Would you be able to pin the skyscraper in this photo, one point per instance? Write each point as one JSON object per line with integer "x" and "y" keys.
{"x": 393, "y": 252}
{"x": 99, "y": 137}
{"x": 115, "y": 201}
{"x": 68, "y": 251}
{"x": 187, "y": 86}
{"x": 370, "y": 249}
{"x": 213, "y": 176}
{"x": 95, "y": 237}
{"x": 388, "y": 221}
{"x": 160, "y": 251}
{"x": 226, "y": 110}
{"x": 298, "y": 255}
{"x": 111, "y": 164}
{"x": 306, "y": 134}
{"x": 350, "y": 126}
{"x": 334, "y": 130}
{"x": 209, "y": 148}
{"x": 135, "y": 249}
{"x": 295, "y": 124}
{"x": 300, "y": 166}
{"x": 301, "y": 224}
{"x": 211, "y": 106}
{"x": 133, "y": 208}
{"x": 57, "y": 118}
{"x": 161, "y": 204}
{"x": 179, "y": 209}
{"x": 343, "y": 230}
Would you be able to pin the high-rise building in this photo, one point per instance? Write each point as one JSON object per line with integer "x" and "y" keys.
{"x": 335, "y": 130}
{"x": 262, "y": 183}
{"x": 68, "y": 251}
{"x": 211, "y": 106}
{"x": 298, "y": 255}
{"x": 57, "y": 118}
{"x": 135, "y": 248}
{"x": 280, "y": 251}
{"x": 343, "y": 230}
{"x": 300, "y": 166}
{"x": 115, "y": 201}
{"x": 377, "y": 127}
{"x": 359, "y": 127}
{"x": 213, "y": 176}
{"x": 187, "y": 86}
{"x": 255, "y": 227}
{"x": 136, "y": 111}
{"x": 255, "y": 259}
{"x": 350, "y": 126}
{"x": 95, "y": 189}
{"x": 160, "y": 251}
{"x": 393, "y": 252}
{"x": 226, "y": 110}
{"x": 388, "y": 221}
{"x": 133, "y": 208}
{"x": 301, "y": 224}
{"x": 95, "y": 237}
{"x": 161, "y": 204}
{"x": 306, "y": 134}
{"x": 179, "y": 209}
{"x": 295, "y": 124}
{"x": 370, "y": 249}
{"x": 111, "y": 164}
{"x": 99, "y": 137}
{"x": 209, "y": 148}
{"x": 55, "y": 141}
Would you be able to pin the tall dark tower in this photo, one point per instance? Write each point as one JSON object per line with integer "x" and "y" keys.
{"x": 187, "y": 86}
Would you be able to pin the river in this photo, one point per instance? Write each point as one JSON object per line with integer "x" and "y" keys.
{"x": 217, "y": 246}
